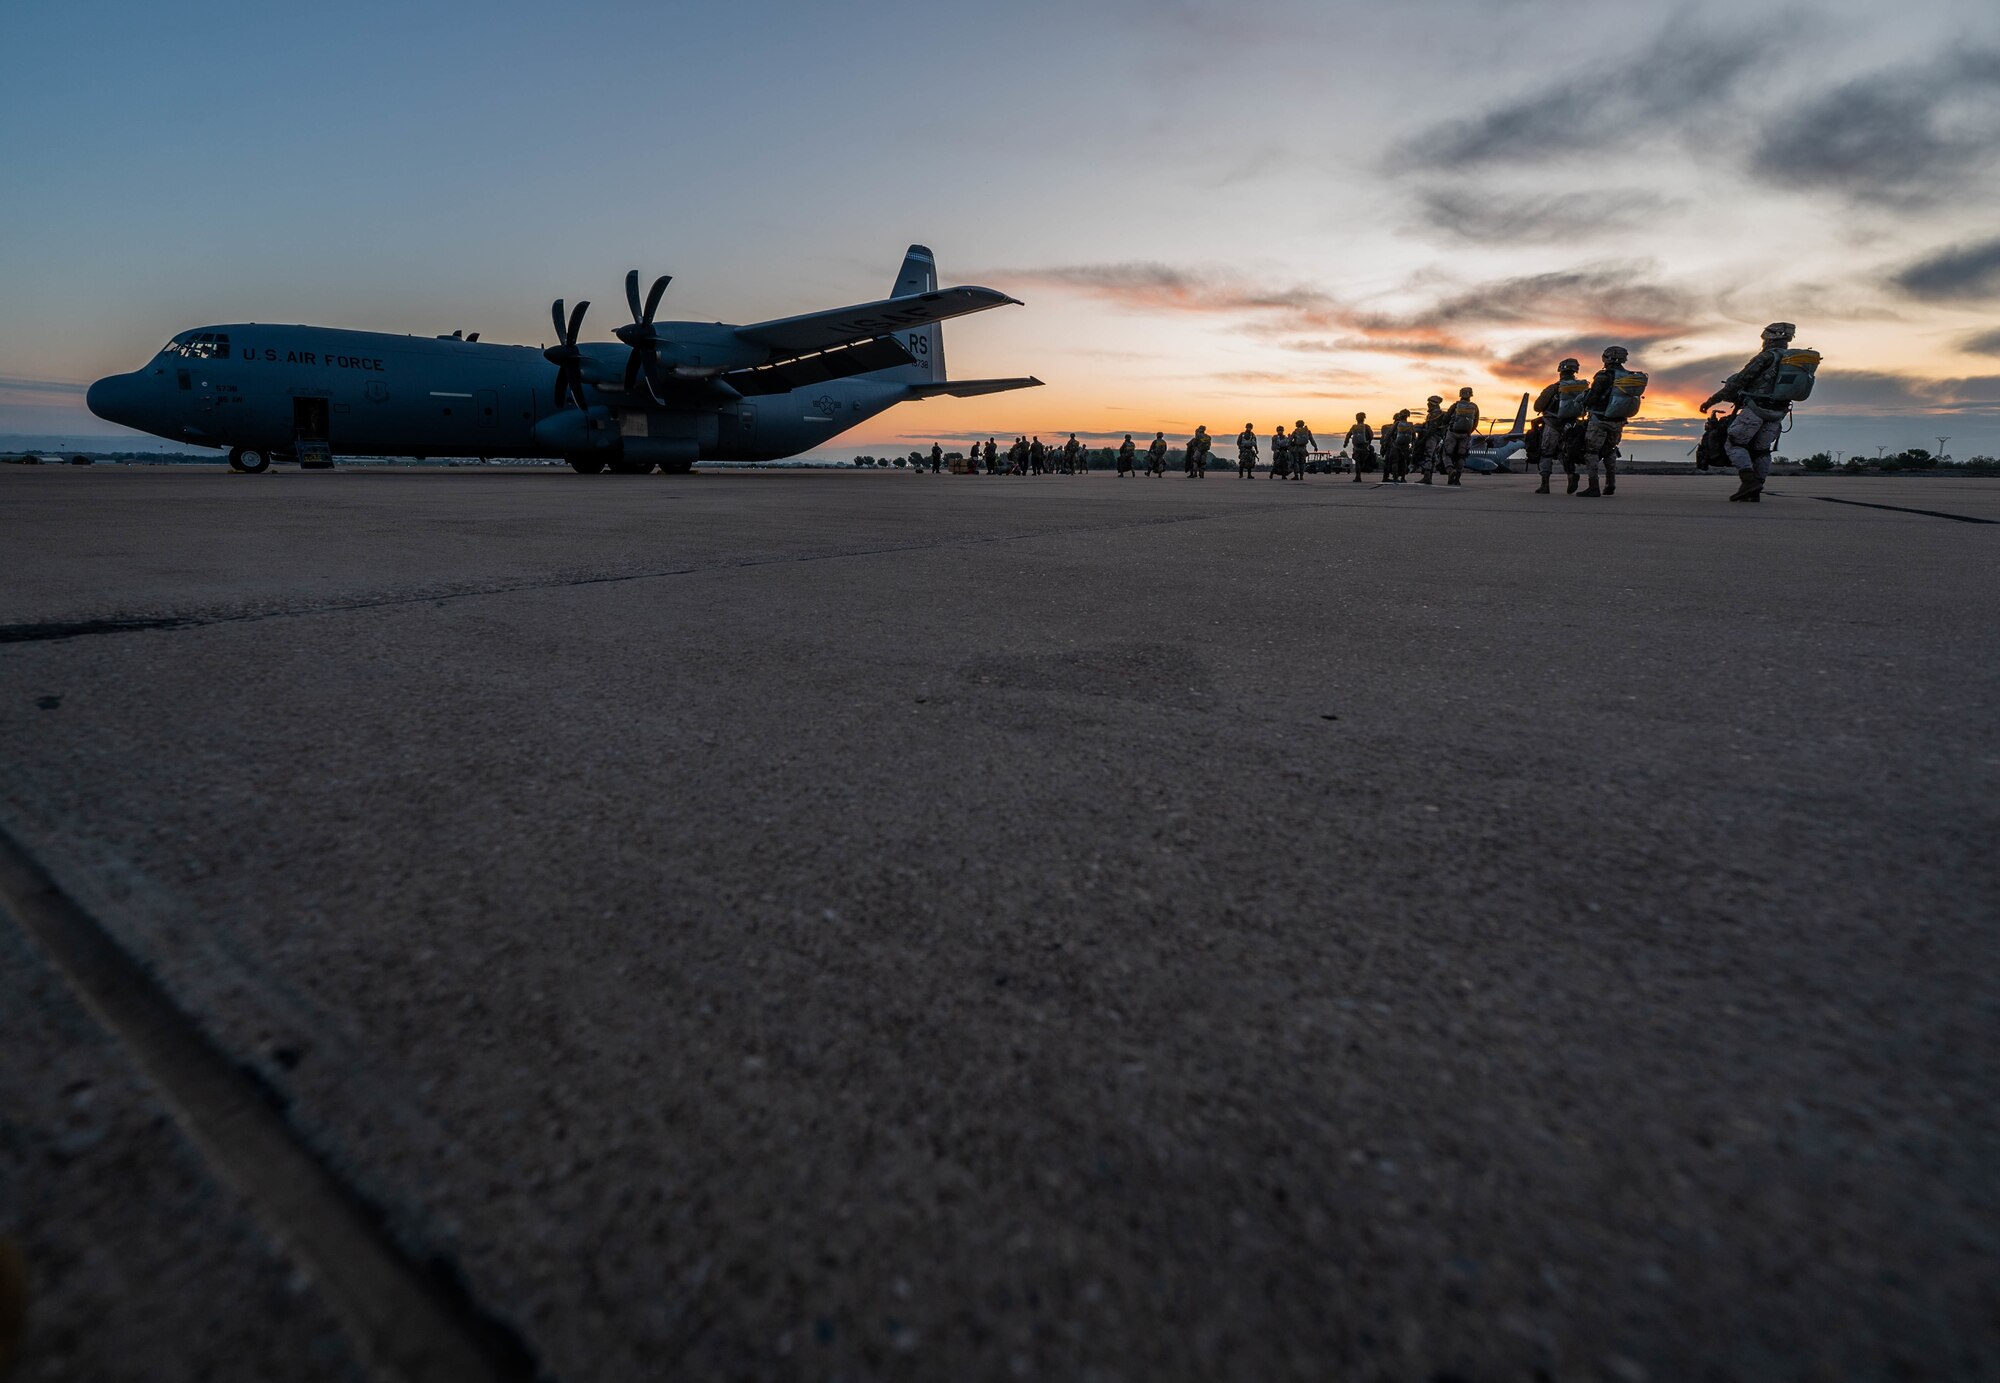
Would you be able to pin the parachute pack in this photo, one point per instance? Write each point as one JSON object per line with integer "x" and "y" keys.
{"x": 1570, "y": 396}
{"x": 1628, "y": 387}
{"x": 1796, "y": 369}
{"x": 1464, "y": 417}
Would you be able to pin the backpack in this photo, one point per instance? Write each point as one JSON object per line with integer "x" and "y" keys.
{"x": 1464, "y": 417}
{"x": 1795, "y": 376}
{"x": 1570, "y": 396}
{"x": 1627, "y": 388}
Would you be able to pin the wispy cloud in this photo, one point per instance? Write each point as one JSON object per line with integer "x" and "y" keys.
{"x": 27, "y": 386}
{"x": 1982, "y": 343}
{"x": 1491, "y": 217}
{"x": 1912, "y": 136}
{"x": 1958, "y": 271}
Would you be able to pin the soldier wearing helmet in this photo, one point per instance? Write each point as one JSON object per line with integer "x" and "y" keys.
{"x": 1753, "y": 431}
{"x": 1361, "y": 444}
{"x": 1401, "y": 442}
{"x": 1604, "y": 428}
{"x": 1246, "y": 451}
{"x": 1432, "y": 433}
{"x": 1303, "y": 442}
{"x": 1552, "y": 428}
{"x": 1461, "y": 422}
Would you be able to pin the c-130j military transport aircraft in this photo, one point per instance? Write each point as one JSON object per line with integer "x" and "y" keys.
{"x": 665, "y": 394}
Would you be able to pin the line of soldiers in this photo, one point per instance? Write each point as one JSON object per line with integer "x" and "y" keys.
{"x": 1577, "y": 424}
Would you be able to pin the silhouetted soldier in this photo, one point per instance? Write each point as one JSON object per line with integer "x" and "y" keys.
{"x": 1360, "y": 441}
{"x": 1461, "y": 422}
{"x": 1558, "y": 407}
{"x": 1430, "y": 435}
{"x": 937, "y": 458}
{"x": 1072, "y": 453}
{"x": 1156, "y": 456}
{"x": 1303, "y": 442}
{"x": 1763, "y": 391}
{"x": 1614, "y": 397}
{"x": 1125, "y": 451}
{"x": 1246, "y": 451}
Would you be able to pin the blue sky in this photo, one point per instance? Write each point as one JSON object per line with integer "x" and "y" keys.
{"x": 1211, "y": 210}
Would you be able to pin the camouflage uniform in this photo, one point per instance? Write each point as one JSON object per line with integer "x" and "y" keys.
{"x": 1453, "y": 445}
{"x": 1072, "y": 450}
{"x": 1156, "y": 455}
{"x": 1303, "y": 445}
{"x": 1281, "y": 454}
{"x": 1360, "y": 441}
{"x": 1397, "y": 452}
{"x": 1428, "y": 432}
{"x": 992, "y": 455}
{"x": 1125, "y": 456}
{"x": 1753, "y": 431}
{"x": 1601, "y": 435}
{"x": 1197, "y": 453}
{"x": 1554, "y": 433}
{"x": 937, "y": 458}
{"x": 1246, "y": 451}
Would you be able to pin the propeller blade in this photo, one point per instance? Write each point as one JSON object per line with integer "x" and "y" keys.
{"x": 632, "y": 291}
{"x": 556, "y": 311}
{"x": 652, "y": 298}
{"x": 575, "y": 321}
{"x": 632, "y": 363}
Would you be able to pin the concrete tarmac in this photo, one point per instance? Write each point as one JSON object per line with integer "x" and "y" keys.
{"x": 813, "y": 925}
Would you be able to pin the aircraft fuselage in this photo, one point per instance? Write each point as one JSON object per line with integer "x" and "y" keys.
{"x": 372, "y": 394}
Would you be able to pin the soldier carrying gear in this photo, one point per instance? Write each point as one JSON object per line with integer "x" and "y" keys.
{"x": 1156, "y": 456}
{"x": 1197, "y": 453}
{"x": 1559, "y": 405}
{"x": 1125, "y": 452}
{"x": 1429, "y": 433}
{"x": 1360, "y": 441}
{"x": 1303, "y": 442}
{"x": 1246, "y": 451}
{"x": 1763, "y": 391}
{"x": 1613, "y": 398}
{"x": 1402, "y": 442}
{"x": 992, "y": 455}
{"x": 1461, "y": 421}
{"x": 1071, "y": 452}
{"x": 1038, "y": 457}
{"x": 937, "y": 458}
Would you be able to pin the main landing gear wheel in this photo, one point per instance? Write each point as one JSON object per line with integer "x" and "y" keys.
{"x": 586, "y": 465}
{"x": 631, "y": 467}
{"x": 676, "y": 467}
{"x": 249, "y": 460}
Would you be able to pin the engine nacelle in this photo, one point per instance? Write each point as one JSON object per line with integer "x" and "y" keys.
{"x": 573, "y": 431}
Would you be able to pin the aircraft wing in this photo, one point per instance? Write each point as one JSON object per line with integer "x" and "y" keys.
{"x": 970, "y": 388}
{"x": 799, "y": 371}
{"x": 818, "y": 331}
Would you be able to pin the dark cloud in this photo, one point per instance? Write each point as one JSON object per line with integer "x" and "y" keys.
{"x": 1591, "y": 114}
{"x": 1911, "y": 136}
{"x": 1962, "y": 271}
{"x": 27, "y": 385}
{"x": 1982, "y": 343}
{"x": 1511, "y": 218}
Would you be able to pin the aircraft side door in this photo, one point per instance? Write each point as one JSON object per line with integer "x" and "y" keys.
{"x": 517, "y": 415}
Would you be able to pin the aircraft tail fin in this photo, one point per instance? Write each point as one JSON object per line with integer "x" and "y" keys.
{"x": 926, "y": 343}
{"x": 1520, "y": 428}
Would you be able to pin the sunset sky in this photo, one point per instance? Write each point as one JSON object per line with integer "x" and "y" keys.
{"x": 1215, "y": 213}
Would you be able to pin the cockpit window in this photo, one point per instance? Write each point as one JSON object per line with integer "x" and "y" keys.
{"x": 206, "y": 345}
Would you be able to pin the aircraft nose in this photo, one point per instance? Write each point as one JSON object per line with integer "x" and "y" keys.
{"x": 112, "y": 398}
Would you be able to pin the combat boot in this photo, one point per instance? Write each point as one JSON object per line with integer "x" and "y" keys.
{"x": 1543, "y": 488}
{"x": 1426, "y": 480}
{"x": 1452, "y": 481}
{"x": 1610, "y": 484}
{"x": 1574, "y": 481}
{"x": 1591, "y": 491}
{"x": 1746, "y": 486}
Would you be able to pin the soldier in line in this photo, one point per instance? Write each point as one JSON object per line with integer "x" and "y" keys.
{"x": 1404, "y": 439}
{"x": 1557, "y": 408}
{"x": 992, "y": 455}
{"x": 1072, "y": 450}
{"x": 1461, "y": 421}
{"x": 1246, "y": 451}
{"x": 1017, "y": 457}
{"x": 937, "y": 458}
{"x": 1303, "y": 442}
{"x": 1038, "y": 457}
{"x": 1156, "y": 456}
{"x": 1125, "y": 451}
{"x": 1360, "y": 441}
{"x": 1610, "y": 402}
{"x": 1430, "y": 434}
{"x": 1763, "y": 391}
{"x": 1197, "y": 453}
{"x": 1281, "y": 453}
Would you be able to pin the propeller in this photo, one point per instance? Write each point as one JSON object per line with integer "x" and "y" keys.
{"x": 640, "y": 333}
{"x": 564, "y": 355}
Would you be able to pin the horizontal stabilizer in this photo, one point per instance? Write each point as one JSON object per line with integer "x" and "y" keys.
{"x": 817, "y": 331}
{"x": 782, "y": 376}
{"x": 969, "y": 388}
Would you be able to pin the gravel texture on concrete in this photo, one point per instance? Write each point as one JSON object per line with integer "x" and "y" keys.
{"x": 139, "y": 1267}
{"x": 814, "y": 925}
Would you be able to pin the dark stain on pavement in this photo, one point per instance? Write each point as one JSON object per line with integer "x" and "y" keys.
{"x": 76, "y": 629}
